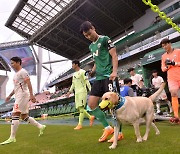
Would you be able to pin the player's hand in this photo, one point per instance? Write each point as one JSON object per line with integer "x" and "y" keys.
{"x": 91, "y": 73}
{"x": 170, "y": 62}
{"x": 113, "y": 76}
{"x": 7, "y": 99}
{"x": 32, "y": 98}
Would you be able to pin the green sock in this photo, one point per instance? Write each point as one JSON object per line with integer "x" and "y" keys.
{"x": 81, "y": 115}
{"x": 100, "y": 116}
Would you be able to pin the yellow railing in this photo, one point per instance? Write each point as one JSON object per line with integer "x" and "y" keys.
{"x": 162, "y": 15}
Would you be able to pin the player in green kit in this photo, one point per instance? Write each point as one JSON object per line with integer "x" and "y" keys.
{"x": 105, "y": 67}
{"x": 79, "y": 85}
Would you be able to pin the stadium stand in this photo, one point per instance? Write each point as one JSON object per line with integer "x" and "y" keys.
{"x": 1, "y": 101}
{"x": 6, "y": 107}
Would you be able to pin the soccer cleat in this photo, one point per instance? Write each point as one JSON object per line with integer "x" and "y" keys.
{"x": 41, "y": 130}
{"x": 106, "y": 133}
{"x": 78, "y": 127}
{"x": 174, "y": 120}
{"x": 91, "y": 120}
{"x": 10, "y": 140}
{"x": 120, "y": 137}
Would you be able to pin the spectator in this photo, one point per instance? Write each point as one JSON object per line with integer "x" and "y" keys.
{"x": 170, "y": 62}
{"x": 126, "y": 89}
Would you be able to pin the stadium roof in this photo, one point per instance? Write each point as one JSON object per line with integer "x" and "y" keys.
{"x": 54, "y": 24}
{"x": 8, "y": 45}
{"x": 3, "y": 65}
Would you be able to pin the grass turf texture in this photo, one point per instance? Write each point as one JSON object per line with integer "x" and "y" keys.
{"x": 60, "y": 139}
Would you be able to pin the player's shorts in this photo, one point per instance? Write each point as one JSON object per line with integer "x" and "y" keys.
{"x": 80, "y": 99}
{"x": 21, "y": 104}
{"x": 173, "y": 85}
{"x": 100, "y": 87}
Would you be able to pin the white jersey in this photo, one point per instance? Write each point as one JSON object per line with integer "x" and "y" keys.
{"x": 19, "y": 82}
{"x": 136, "y": 78}
{"x": 157, "y": 83}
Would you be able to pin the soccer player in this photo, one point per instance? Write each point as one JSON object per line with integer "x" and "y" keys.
{"x": 156, "y": 82}
{"x": 23, "y": 93}
{"x": 170, "y": 62}
{"x": 105, "y": 67}
{"x": 80, "y": 84}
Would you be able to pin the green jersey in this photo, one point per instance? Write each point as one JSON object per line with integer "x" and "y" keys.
{"x": 103, "y": 60}
{"x": 80, "y": 82}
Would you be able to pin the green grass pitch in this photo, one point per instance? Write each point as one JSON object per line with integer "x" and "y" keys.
{"x": 61, "y": 139}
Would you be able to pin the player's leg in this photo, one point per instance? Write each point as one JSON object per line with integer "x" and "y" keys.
{"x": 81, "y": 118}
{"x": 114, "y": 86}
{"x": 79, "y": 104}
{"x": 158, "y": 104}
{"x": 91, "y": 117}
{"x": 100, "y": 116}
{"x": 80, "y": 101}
{"x": 173, "y": 88}
{"x": 33, "y": 122}
{"x": 14, "y": 125}
{"x": 96, "y": 93}
{"x": 170, "y": 106}
{"x": 24, "y": 108}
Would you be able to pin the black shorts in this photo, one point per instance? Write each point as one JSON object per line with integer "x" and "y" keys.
{"x": 100, "y": 87}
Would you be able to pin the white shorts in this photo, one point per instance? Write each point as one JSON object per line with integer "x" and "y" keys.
{"x": 21, "y": 104}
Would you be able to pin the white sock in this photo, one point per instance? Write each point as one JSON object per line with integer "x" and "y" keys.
{"x": 158, "y": 107}
{"x": 170, "y": 107}
{"x": 32, "y": 121}
{"x": 14, "y": 127}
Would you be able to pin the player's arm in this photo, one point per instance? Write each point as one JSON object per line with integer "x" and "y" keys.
{"x": 177, "y": 62}
{"x": 32, "y": 97}
{"x": 87, "y": 83}
{"x": 9, "y": 97}
{"x": 112, "y": 52}
{"x": 164, "y": 67}
{"x": 70, "y": 90}
{"x": 94, "y": 68}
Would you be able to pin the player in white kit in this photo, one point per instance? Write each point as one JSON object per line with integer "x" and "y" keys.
{"x": 23, "y": 93}
{"x": 162, "y": 98}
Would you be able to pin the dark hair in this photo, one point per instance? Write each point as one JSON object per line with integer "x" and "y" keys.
{"x": 165, "y": 41}
{"x": 16, "y": 59}
{"x": 130, "y": 69}
{"x": 154, "y": 71}
{"x": 76, "y": 62}
{"x": 85, "y": 26}
{"x": 127, "y": 80}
